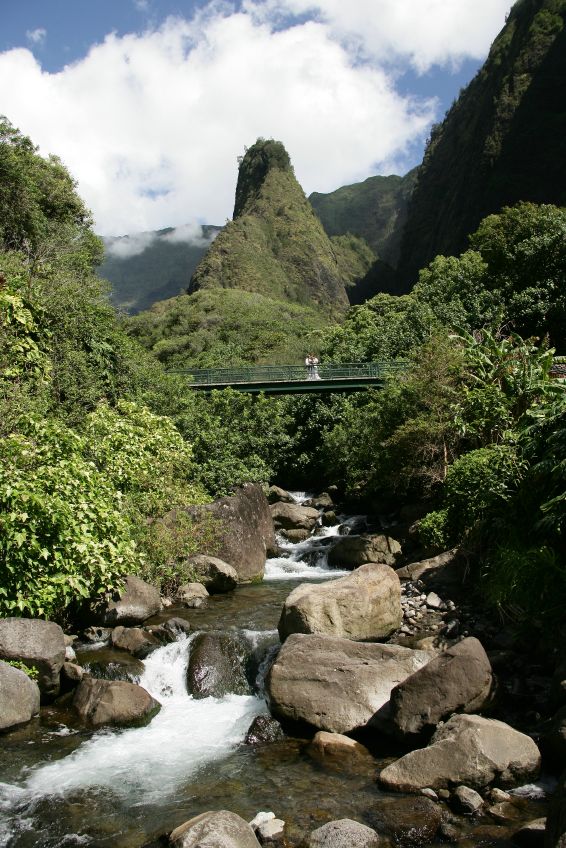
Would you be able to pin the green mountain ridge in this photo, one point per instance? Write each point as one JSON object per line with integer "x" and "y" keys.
{"x": 375, "y": 210}
{"x": 503, "y": 140}
{"x": 275, "y": 245}
{"x": 151, "y": 266}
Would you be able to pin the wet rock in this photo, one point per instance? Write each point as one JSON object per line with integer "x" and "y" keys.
{"x": 216, "y": 575}
{"x": 337, "y": 684}
{"x": 136, "y": 602}
{"x": 329, "y": 518}
{"x": 505, "y": 811}
{"x": 429, "y": 793}
{"x": 344, "y": 833}
{"x": 71, "y": 676}
{"x": 457, "y": 680}
{"x": 264, "y": 730}
{"x": 134, "y": 640}
{"x": 177, "y": 626}
{"x": 19, "y": 697}
{"x": 94, "y": 634}
{"x": 108, "y": 664}
{"x": 243, "y": 530}
{"x": 467, "y": 749}
{"x": 192, "y": 595}
{"x": 217, "y": 666}
{"x": 363, "y": 605}
{"x": 323, "y": 501}
{"x": 115, "y": 703}
{"x": 466, "y": 801}
{"x": 217, "y": 829}
{"x": 37, "y": 644}
{"x": 337, "y": 749}
{"x": 497, "y": 795}
{"x": 531, "y": 834}
{"x": 293, "y": 517}
{"x": 276, "y": 494}
{"x": 410, "y": 822}
{"x": 295, "y": 536}
{"x": 449, "y": 832}
{"x": 353, "y": 551}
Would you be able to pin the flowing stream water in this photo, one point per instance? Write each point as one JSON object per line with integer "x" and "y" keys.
{"x": 61, "y": 785}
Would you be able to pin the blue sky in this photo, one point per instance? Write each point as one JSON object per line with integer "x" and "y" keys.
{"x": 149, "y": 102}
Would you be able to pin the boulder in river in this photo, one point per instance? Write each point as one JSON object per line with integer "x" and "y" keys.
{"x": 136, "y": 641}
{"x": 216, "y": 829}
{"x": 38, "y": 644}
{"x": 275, "y": 494}
{"x": 215, "y": 575}
{"x": 410, "y": 822}
{"x": 467, "y": 749}
{"x": 243, "y": 530}
{"x": 293, "y": 517}
{"x": 264, "y": 730}
{"x": 136, "y": 602}
{"x": 336, "y": 684}
{"x": 337, "y": 749}
{"x": 217, "y": 666}
{"x": 457, "y": 680}
{"x": 353, "y": 551}
{"x": 365, "y": 604}
{"x": 114, "y": 702}
{"x": 19, "y": 697}
{"x": 344, "y": 833}
{"x": 192, "y": 595}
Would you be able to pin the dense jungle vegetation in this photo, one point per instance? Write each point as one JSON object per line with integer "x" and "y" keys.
{"x": 99, "y": 443}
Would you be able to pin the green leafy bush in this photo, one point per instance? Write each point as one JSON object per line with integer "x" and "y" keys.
{"x": 63, "y": 534}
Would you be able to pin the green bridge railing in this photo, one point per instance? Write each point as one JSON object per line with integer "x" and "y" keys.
{"x": 291, "y": 373}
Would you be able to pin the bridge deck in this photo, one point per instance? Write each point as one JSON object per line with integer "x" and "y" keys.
{"x": 290, "y": 379}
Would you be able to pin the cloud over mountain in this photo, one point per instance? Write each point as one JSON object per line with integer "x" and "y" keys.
{"x": 150, "y": 123}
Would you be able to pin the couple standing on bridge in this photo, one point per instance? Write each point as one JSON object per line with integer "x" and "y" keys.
{"x": 312, "y": 363}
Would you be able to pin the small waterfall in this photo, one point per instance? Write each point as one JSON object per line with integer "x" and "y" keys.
{"x": 150, "y": 762}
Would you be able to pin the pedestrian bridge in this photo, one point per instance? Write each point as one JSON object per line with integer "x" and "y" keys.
{"x": 292, "y": 379}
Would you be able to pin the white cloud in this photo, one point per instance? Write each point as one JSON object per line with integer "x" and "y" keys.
{"x": 425, "y": 32}
{"x": 124, "y": 247}
{"x": 151, "y": 124}
{"x": 127, "y": 246}
{"x": 36, "y": 36}
{"x": 141, "y": 5}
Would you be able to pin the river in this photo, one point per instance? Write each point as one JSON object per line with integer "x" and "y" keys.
{"x": 64, "y": 786}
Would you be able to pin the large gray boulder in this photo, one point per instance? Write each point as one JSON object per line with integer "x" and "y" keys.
{"x": 216, "y": 666}
{"x": 353, "y": 551}
{"x": 136, "y": 602}
{"x": 134, "y": 640}
{"x": 275, "y": 493}
{"x": 114, "y": 702}
{"x": 214, "y": 829}
{"x": 458, "y": 680}
{"x": 215, "y": 575}
{"x": 38, "y": 644}
{"x": 288, "y": 516}
{"x": 467, "y": 749}
{"x": 243, "y": 533}
{"x": 19, "y": 697}
{"x": 344, "y": 833}
{"x": 365, "y": 604}
{"x": 337, "y": 684}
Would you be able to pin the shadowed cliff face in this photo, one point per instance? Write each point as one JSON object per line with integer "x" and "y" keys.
{"x": 275, "y": 245}
{"x": 504, "y": 140}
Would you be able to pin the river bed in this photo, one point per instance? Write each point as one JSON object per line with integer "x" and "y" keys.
{"x": 61, "y": 785}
